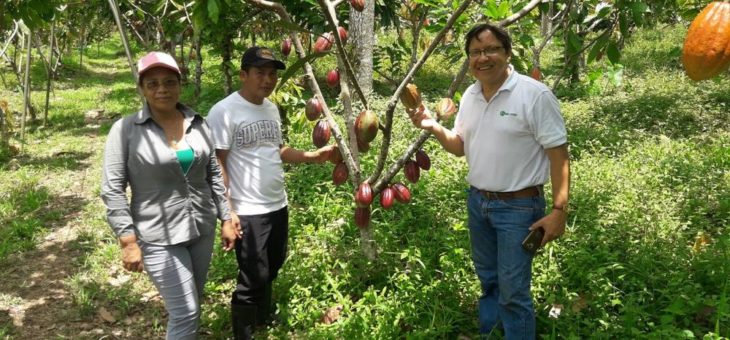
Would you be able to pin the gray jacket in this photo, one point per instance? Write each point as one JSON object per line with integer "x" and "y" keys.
{"x": 167, "y": 207}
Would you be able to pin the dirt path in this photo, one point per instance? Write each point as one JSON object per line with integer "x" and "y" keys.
{"x": 35, "y": 295}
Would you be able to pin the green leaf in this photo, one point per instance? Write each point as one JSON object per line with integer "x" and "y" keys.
{"x": 597, "y": 47}
{"x": 297, "y": 65}
{"x": 613, "y": 53}
{"x": 603, "y": 10}
{"x": 623, "y": 24}
{"x": 504, "y": 9}
{"x": 491, "y": 10}
{"x": 213, "y": 11}
{"x": 638, "y": 9}
{"x": 574, "y": 42}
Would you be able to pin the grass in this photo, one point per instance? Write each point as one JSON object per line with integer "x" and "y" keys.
{"x": 650, "y": 156}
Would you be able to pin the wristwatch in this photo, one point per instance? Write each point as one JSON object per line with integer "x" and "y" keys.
{"x": 564, "y": 208}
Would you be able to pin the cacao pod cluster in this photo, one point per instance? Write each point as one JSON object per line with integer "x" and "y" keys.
{"x": 388, "y": 196}
{"x": 412, "y": 169}
{"x": 392, "y": 193}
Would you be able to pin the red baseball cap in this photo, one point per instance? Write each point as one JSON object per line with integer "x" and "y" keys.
{"x": 157, "y": 59}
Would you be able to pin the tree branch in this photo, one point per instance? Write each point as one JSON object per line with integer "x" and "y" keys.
{"x": 387, "y": 134}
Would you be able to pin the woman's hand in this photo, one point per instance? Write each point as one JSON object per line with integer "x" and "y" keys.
{"x": 131, "y": 254}
{"x": 229, "y": 233}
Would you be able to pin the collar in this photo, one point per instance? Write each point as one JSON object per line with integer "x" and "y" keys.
{"x": 146, "y": 114}
{"x": 508, "y": 84}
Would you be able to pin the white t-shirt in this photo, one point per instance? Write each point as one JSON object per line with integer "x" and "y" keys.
{"x": 252, "y": 135}
{"x": 505, "y": 139}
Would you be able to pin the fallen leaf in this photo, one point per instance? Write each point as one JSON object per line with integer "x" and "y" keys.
{"x": 331, "y": 315}
{"x": 106, "y": 316}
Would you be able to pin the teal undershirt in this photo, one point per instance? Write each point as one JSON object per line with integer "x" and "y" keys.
{"x": 185, "y": 157}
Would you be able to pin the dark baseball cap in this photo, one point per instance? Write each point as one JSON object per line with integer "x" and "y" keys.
{"x": 259, "y": 56}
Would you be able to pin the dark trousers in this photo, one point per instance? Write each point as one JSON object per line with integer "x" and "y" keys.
{"x": 260, "y": 255}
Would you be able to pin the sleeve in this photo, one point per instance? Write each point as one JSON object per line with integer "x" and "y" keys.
{"x": 459, "y": 121}
{"x": 214, "y": 177}
{"x": 219, "y": 124}
{"x": 114, "y": 180}
{"x": 546, "y": 122}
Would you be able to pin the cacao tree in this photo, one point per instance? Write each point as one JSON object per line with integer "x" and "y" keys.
{"x": 362, "y": 127}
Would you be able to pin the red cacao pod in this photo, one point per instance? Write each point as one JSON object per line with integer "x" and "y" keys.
{"x": 445, "y": 108}
{"x": 321, "y": 134}
{"x": 402, "y": 194}
{"x": 336, "y": 156}
{"x": 535, "y": 73}
{"x": 412, "y": 171}
{"x": 286, "y": 47}
{"x": 340, "y": 174}
{"x": 410, "y": 97}
{"x": 422, "y": 159}
{"x": 323, "y": 43}
{"x": 366, "y": 126}
{"x": 364, "y": 195}
{"x": 386, "y": 197}
{"x": 313, "y": 109}
{"x": 362, "y": 146}
{"x": 333, "y": 78}
{"x": 343, "y": 34}
{"x": 362, "y": 217}
{"x": 706, "y": 51}
{"x": 358, "y": 5}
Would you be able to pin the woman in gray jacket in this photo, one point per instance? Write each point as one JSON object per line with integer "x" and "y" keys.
{"x": 164, "y": 153}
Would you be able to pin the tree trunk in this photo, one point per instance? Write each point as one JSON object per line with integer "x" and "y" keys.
{"x": 50, "y": 72}
{"x": 26, "y": 88}
{"x": 227, "y": 50}
{"x": 198, "y": 67}
{"x": 183, "y": 66}
{"x": 82, "y": 47}
{"x": 362, "y": 26}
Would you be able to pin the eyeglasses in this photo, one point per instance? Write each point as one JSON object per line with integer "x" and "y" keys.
{"x": 489, "y": 51}
{"x": 168, "y": 84}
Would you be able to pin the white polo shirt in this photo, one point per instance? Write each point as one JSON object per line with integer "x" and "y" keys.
{"x": 505, "y": 139}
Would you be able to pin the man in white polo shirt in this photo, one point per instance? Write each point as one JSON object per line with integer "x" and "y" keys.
{"x": 511, "y": 131}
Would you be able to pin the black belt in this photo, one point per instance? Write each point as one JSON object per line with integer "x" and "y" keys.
{"x": 533, "y": 191}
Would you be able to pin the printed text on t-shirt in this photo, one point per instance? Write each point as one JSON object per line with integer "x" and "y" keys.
{"x": 262, "y": 131}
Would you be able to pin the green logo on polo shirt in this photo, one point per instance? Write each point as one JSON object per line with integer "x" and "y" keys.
{"x": 505, "y": 113}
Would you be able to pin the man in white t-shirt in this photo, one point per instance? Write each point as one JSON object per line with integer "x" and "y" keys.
{"x": 511, "y": 131}
{"x": 246, "y": 130}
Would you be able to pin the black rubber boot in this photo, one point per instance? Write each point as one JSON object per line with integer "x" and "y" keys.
{"x": 263, "y": 316}
{"x": 243, "y": 318}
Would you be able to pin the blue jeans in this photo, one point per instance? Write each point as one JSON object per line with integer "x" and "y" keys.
{"x": 496, "y": 229}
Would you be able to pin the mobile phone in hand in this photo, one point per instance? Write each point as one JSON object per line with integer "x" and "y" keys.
{"x": 533, "y": 240}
